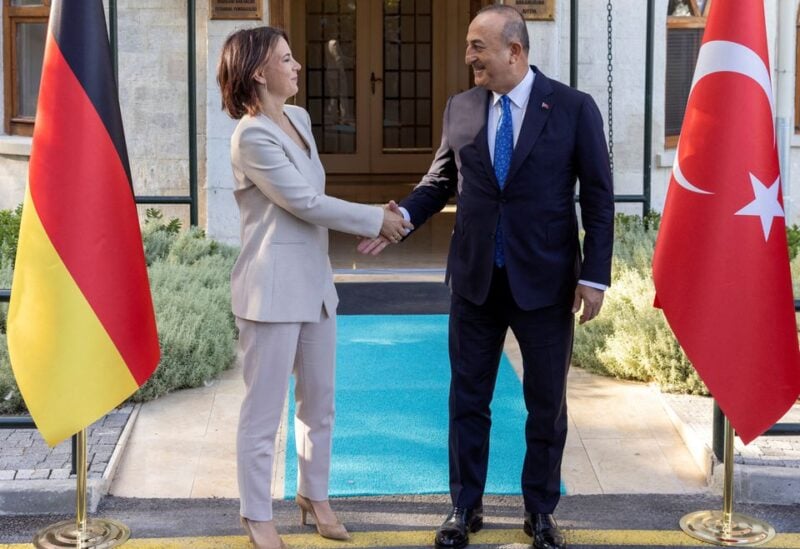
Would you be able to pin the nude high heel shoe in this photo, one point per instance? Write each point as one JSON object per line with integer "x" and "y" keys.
{"x": 259, "y": 538}
{"x": 335, "y": 530}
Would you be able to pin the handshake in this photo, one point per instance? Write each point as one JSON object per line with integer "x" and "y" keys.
{"x": 394, "y": 229}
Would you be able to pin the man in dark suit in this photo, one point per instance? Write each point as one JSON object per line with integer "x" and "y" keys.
{"x": 512, "y": 150}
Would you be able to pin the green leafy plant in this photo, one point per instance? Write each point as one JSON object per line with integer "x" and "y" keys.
{"x": 190, "y": 284}
{"x": 793, "y": 240}
{"x": 9, "y": 234}
{"x": 631, "y": 339}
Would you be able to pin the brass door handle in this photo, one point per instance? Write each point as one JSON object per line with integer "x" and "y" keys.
{"x": 372, "y": 80}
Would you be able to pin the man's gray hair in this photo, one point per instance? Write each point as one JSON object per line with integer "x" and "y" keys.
{"x": 514, "y": 28}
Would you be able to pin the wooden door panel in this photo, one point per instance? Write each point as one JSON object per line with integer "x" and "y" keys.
{"x": 376, "y": 76}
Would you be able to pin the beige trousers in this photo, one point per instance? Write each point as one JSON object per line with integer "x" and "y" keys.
{"x": 271, "y": 352}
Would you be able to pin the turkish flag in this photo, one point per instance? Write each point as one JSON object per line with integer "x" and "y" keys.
{"x": 721, "y": 265}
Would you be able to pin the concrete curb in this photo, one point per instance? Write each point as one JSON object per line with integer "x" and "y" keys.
{"x": 46, "y": 497}
{"x": 763, "y": 483}
{"x": 51, "y": 497}
{"x": 698, "y": 443}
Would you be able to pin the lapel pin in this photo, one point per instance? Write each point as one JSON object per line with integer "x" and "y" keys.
{"x": 545, "y": 106}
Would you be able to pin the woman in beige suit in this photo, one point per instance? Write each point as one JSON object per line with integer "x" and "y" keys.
{"x": 283, "y": 295}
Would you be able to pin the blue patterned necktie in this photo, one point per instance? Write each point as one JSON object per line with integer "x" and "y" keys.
{"x": 503, "y": 147}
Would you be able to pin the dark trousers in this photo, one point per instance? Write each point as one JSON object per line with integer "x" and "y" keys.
{"x": 477, "y": 333}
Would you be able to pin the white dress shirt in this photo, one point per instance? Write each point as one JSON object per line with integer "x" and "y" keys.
{"x": 519, "y": 103}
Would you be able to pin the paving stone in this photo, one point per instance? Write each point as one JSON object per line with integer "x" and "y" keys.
{"x": 108, "y": 439}
{"x": 26, "y": 443}
{"x": 104, "y": 453}
{"x": 98, "y": 467}
{"x": 781, "y": 444}
{"x": 40, "y": 474}
{"x": 59, "y": 474}
{"x": 20, "y": 434}
{"x": 35, "y": 453}
{"x": 116, "y": 420}
{"x": 56, "y": 462}
{"x": 24, "y": 474}
{"x": 24, "y": 454}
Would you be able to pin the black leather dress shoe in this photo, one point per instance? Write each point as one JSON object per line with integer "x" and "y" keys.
{"x": 544, "y": 530}
{"x": 454, "y": 531}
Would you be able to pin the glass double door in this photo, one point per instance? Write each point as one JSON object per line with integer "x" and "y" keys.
{"x": 376, "y": 76}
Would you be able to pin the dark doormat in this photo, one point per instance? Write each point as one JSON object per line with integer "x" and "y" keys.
{"x": 393, "y": 298}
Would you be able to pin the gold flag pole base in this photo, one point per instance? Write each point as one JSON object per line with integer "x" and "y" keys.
{"x": 726, "y": 527}
{"x": 99, "y": 533}
{"x": 711, "y": 527}
{"x": 82, "y": 533}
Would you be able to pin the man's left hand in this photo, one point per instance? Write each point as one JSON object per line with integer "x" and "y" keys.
{"x": 592, "y": 300}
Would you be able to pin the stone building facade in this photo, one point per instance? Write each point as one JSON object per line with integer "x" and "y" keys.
{"x": 152, "y": 55}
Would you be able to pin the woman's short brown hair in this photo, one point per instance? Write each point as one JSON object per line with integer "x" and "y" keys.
{"x": 243, "y": 53}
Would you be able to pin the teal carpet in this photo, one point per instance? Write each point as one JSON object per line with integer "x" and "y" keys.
{"x": 392, "y": 386}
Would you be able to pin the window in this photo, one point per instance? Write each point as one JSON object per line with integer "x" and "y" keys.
{"x": 686, "y": 21}
{"x": 24, "y": 32}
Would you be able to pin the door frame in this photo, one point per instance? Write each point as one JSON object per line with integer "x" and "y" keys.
{"x": 280, "y": 16}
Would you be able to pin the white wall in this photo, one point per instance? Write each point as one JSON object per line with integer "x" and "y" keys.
{"x": 222, "y": 213}
{"x": 13, "y": 177}
{"x": 152, "y": 38}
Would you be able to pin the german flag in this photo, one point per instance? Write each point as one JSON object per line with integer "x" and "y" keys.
{"x": 81, "y": 330}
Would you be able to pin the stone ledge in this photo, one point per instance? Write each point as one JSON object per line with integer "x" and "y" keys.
{"x": 765, "y": 481}
{"x": 766, "y": 484}
{"x": 48, "y": 497}
{"x": 15, "y": 145}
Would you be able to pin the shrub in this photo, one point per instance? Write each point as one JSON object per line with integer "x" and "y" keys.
{"x": 641, "y": 345}
{"x": 195, "y": 326}
{"x": 10, "y": 399}
{"x": 190, "y": 283}
{"x": 9, "y": 235}
{"x": 631, "y": 339}
{"x": 793, "y": 240}
{"x": 157, "y": 236}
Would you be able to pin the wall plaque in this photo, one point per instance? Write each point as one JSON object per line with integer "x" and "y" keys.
{"x": 535, "y": 10}
{"x": 236, "y": 9}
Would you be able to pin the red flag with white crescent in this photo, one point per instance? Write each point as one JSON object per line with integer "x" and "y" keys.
{"x": 721, "y": 266}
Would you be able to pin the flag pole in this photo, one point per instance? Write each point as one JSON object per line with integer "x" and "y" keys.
{"x": 81, "y": 532}
{"x": 726, "y": 527}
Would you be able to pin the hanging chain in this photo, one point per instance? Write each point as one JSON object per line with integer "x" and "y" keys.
{"x": 610, "y": 92}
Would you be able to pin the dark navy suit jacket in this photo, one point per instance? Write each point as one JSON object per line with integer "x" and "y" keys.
{"x": 561, "y": 141}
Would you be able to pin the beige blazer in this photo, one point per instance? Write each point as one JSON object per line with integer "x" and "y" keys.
{"x": 283, "y": 273}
